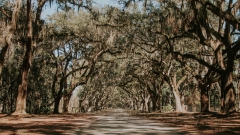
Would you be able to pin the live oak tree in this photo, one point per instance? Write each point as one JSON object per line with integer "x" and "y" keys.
{"x": 142, "y": 39}
{"x": 9, "y": 29}
{"x": 32, "y": 39}
{"x": 220, "y": 39}
{"x": 71, "y": 55}
{"x": 78, "y": 42}
{"x": 214, "y": 25}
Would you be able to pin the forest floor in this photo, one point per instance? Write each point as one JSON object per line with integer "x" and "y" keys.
{"x": 43, "y": 124}
{"x": 211, "y": 123}
{"x": 120, "y": 121}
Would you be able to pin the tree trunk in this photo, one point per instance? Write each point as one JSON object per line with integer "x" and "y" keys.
{"x": 146, "y": 100}
{"x": 4, "y": 103}
{"x": 177, "y": 101}
{"x": 159, "y": 103}
{"x": 66, "y": 100}
{"x": 22, "y": 86}
{"x": 237, "y": 94}
{"x": 228, "y": 95}
{"x": 80, "y": 106}
{"x": 2, "y": 57}
{"x": 9, "y": 33}
{"x": 182, "y": 99}
{"x": 174, "y": 85}
{"x": 132, "y": 104}
{"x": 204, "y": 99}
{"x": 56, "y": 104}
{"x": 154, "y": 99}
{"x": 137, "y": 104}
{"x": 141, "y": 105}
{"x": 63, "y": 86}
{"x": 95, "y": 104}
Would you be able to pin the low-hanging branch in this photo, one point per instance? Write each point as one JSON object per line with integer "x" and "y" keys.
{"x": 75, "y": 70}
{"x": 227, "y": 16}
{"x": 5, "y": 13}
{"x": 111, "y": 25}
{"x": 178, "y": 55}
{"x": 200, "y": 61}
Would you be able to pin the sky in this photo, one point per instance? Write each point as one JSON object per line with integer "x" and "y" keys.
{"x": 49, "y": 11}
{"x": 104, "y": 2}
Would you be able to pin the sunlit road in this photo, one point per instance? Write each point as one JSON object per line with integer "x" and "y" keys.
{"x": 118, "y": 122}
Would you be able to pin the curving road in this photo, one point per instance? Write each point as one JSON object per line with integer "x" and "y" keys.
{"x": 118, "y": 122}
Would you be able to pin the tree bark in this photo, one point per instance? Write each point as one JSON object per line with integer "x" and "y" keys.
{"x": 9, "y": 33}
{"x": 204, "y": 99}
{"x": 132, "y": 104}
{"x": 66, "y": 100}
{"x": 58, "y": 97}
{"x": 154, "y": 99}
{"x": 56, "y": 104}
{"x": 153, "y": 95}
{"x": 22, "y": 86}
{"x": 228, "y": 95}
{"x": 182, "y": 99}
{"x": 146, "y": 100}
{"x": 159, "y": 103}
{"x": 174, "y": 86}
{"x": 179, "y": 107}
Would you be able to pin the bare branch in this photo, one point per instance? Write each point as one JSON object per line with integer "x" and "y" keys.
{"x": 225, "y": 15}
{"x": 5, "y": 13}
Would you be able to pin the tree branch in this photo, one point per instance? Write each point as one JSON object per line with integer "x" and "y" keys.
{"x": 227, "y": 16}
{"x": 178, "y": 55}
{"x": 5, "y": 13}
{"x": 181, "y": 80}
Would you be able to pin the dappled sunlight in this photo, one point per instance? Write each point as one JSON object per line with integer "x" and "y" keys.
{"x": 197, "y": 123}
{"x": 144, "y": 67}
{"x": 47, "y": 124}
{"x": 120, "y": 122}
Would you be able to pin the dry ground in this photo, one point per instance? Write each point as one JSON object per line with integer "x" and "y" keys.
{"x": 197, "y": 123}
{"x": 43, "y": 124}
{"x": 186, "y": 123}
{"x": 119, "y": 122}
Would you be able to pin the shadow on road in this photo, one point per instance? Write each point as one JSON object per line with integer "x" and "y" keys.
{"x": 117, "y": 122}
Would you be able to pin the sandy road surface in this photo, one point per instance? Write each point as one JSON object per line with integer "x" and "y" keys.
{"x": 118, "y": 122}
{"x": 107, "y": 122}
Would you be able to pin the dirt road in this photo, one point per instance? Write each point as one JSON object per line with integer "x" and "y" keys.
{"x": 118, "y": 122}
{"x": 110, "y": 122}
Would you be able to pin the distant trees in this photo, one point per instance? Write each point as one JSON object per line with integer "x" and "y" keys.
{"x": 194, "y": 23}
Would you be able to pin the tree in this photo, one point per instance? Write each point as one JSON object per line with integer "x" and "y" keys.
{"x": 32, "y": 41}
{"x": 200, "y": 25}
{"x": 22, "y": 87}
{"x": 220, "y": 38}
{"x": 9, "y": 32}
